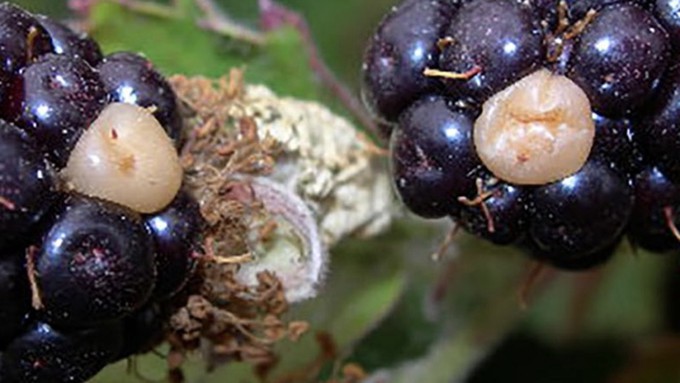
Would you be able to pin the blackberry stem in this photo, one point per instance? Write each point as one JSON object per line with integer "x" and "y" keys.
{"x": 536, "y": 271}
{"x": 446, "y": 242}
{"x": 36, "y": 300}
{"x": 479, "y": 200}
{"x": 7, "y": 204}
{"x": 472, "y": 72}
{"x": 668, "y": 213}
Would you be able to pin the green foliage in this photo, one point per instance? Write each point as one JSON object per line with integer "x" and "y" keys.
{"x": 171, "y": 38}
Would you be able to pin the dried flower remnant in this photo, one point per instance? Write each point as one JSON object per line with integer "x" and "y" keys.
{"x": 276, "y": 192}
{"x": 329, "y": 174}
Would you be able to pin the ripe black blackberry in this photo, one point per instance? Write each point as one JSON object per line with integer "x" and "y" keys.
{"x": 579, "y": 103}
{"x": 433, "y": 137}
{"x": 176, "y": 231}
{"x": 95, "y": 264}
{"x": 46, "y": 354}
{"x": 131, "y": 78}
{"x": 88, "y": 164}
{"x": 402, "y": 47}
{"x": 55, "y": 99}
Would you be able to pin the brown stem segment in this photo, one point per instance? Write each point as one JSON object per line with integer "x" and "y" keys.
{"x": 274, "y": 15}
{"x": 472, "y": 72}
{"x": 670, "y": 220}
{"x": 536, "y": 272}
{"x": 446, "y": 243}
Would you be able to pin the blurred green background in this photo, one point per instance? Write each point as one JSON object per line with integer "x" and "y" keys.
{"x": 388, "y": 307}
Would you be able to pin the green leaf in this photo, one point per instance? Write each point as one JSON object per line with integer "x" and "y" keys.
{"x": 171, "y": 38}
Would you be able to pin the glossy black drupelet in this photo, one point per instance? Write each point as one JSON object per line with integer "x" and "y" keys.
{"x": 95, "y": 264}
{"x": 433, "y": 161}
{"x": 132, "y": 79}
{"x": 22, "y": 38}
{"x": 55, "y": 100}
{"x": 659, "y": 131}
{"x": 66, "y": 41}
{"x": 47, "y": 355}
{"x": 500, "y": 38}
{"x": 404, "y": 45}
{"x": 176, "y": 231}
{"x": 668, "y": 14}
{"x": 143, "y": 330}
{"x": 616, "y": 144}
{"x": 26, "y": 185}
{"x": 657, "y": 207}
{"x": 619, "y": 58}
{"x": 507, "y": 219}
{"x": 581, "y": 214}
{"x": 15, "y": 295}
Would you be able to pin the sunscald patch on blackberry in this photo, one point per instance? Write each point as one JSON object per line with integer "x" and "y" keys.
{"x": 132, "y": 79}
{"x": 95, "y": 264}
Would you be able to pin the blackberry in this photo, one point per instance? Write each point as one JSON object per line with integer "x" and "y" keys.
{"x": 26, "y": 184}
{"x": 15, "y": 295}
{"x": 22, "y": 38}
{"x": 45, "y": 354}
{"x": 581, "y": 214}
{"x": 499, "y": 39}
{"x": 404, "y": 45}
{"x": 55, "y": 100}
{"x": 574, "y": 130}
{"x": 89, "y": 204}
{"x": 132, "y": 79}
{"x": 433, "y": 160}
{"x": 176, "y": 231}
{"x": 657, "y": 204}
{"x": 499, "y": 214}
{"x": 620, "y": 67}
{"x": 67, "y": 42}
{"x": 95, "y": 264}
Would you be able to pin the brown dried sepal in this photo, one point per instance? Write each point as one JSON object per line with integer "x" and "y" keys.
{"x": 226, "y": 320}
{"x": 240, "y": 323}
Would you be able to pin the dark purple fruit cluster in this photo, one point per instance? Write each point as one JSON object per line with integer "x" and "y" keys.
{"x": 432, "y": 65}
{"x": 82, "y": 280}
